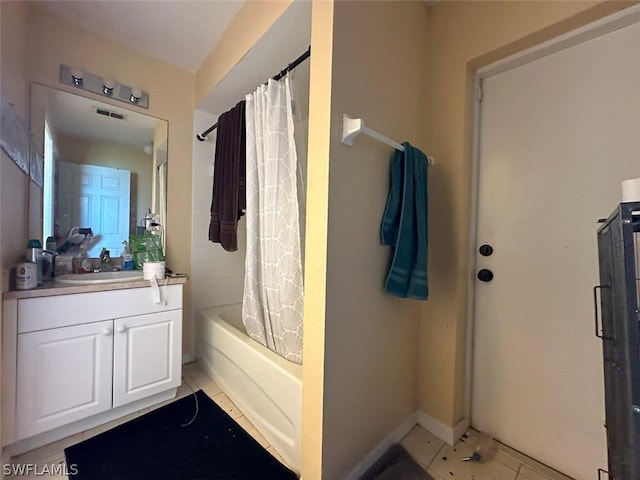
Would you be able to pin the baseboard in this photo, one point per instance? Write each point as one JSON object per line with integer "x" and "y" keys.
{"x": 394, "y": 437}
{"x": 447, "y": 434}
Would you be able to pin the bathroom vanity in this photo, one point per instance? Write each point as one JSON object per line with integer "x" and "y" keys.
{"x": 75, "y": 357}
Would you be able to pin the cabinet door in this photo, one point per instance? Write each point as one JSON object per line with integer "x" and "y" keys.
{"x": 147, "y": 355}
{"x": 63, "y": 375}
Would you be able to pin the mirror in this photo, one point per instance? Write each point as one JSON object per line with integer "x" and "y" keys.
{"x": 105, "y": 167}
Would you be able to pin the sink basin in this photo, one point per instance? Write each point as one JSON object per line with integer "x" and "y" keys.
{"x": 99, "y": 277}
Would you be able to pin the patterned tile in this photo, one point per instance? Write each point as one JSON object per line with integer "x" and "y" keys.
{"x": 504, "y": 454}
{"x": 531, "y": 469}
{"x": 50, "y": 470}
{"x": 421, "y": 445}
{"x": 48, "y": 453}
{"x": 449, "y": 464}
{"x": 195, "y": 373}
{"x": 211, "y": 389}
{"x": 190, "y": 383}
{"x": 539, "y": 472}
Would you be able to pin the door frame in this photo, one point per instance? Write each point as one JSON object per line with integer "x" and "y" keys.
{"x": 595, "y": 29}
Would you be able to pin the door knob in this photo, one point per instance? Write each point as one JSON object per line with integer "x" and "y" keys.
{"x": 485, "y": 250}
{"x": 122, "y": 329}
{"x": 485, "y": 275}
{"x": 106, "y": 332}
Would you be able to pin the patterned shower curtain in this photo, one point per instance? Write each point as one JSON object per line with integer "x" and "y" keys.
{"x": 273, "y": 291}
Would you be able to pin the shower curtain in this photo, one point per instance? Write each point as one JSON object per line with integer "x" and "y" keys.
{"x": 273, "y": 292}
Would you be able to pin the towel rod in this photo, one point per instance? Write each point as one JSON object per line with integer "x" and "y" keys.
{"x": 352, "y": 127}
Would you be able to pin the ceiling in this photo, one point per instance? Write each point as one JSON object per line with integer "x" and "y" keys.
{"x": 180, "y": 32}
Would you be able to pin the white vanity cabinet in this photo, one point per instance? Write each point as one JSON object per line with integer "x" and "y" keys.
{"x": 146, "y": 355}
{"x": 63, "y": 375}
{"x": 82, "y": 359}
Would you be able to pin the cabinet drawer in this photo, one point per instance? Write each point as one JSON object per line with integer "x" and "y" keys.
{"x": 66, "y": 310}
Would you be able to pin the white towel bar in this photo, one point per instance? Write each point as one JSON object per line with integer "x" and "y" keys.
{"x": 352, "y": 127}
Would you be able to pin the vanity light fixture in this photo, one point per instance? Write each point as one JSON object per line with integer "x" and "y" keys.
{"x": 104, "y": 87}
{"x": 136, "y": 95}
{"x": 107, "y": 87}
{"x": 148, "y": 148}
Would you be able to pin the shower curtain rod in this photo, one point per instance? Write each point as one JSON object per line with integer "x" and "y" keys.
{"x": 202, "y": 136}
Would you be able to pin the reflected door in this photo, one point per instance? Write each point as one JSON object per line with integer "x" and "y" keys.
{"x": 96, "y": 197}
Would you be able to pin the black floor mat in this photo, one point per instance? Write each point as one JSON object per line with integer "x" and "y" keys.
{"x": 396, "y": 464}
{"x": 157, "y": 446}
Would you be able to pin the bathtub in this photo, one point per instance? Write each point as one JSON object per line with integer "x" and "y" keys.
{"x": 266, "y": 387}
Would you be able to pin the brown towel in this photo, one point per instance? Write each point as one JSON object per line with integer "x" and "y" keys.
{"x": 229, "y": 178}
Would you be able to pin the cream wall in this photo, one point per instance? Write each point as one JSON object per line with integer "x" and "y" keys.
{"x": 252, "y": 21}
{"x": 370, "y": 357}
{"x": 315, "y": 259}
{"x": 107, "y": 154}
{"x": 14, "y": 184}
{"x": 461, "y": 36}
{"x": 53, "y": 41}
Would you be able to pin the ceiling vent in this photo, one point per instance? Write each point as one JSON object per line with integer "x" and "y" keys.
{"x": 109, "y": 113}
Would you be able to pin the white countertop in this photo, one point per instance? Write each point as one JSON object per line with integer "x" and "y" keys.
{"x": 48, "y": 289}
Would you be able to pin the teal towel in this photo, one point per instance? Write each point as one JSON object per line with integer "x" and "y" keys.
{"x": 404, "y": 224}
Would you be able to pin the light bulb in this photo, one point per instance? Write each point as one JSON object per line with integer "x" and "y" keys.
{"x": 107, "y": 87}
{"x": 148, "y": 148}
{"x": 136, "y": 94}
{"x": 77, "y": 75}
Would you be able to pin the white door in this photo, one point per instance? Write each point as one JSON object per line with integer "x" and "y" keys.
{"x": 557, "y": 136}
{"x": 96, "y": 197}
{"x": 64, "y": 375}
{"x": 147, "y": 355}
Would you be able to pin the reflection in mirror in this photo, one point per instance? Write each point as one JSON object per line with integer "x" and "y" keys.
{"x": 105, "y": 169}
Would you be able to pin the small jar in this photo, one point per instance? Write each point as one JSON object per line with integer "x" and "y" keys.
{"x": 26, "y": 276}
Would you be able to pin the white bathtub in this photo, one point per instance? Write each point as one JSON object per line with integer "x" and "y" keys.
{"x": 266, "y": 387}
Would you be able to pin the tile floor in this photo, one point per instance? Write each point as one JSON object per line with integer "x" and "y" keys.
{"x": 442, "y": 461}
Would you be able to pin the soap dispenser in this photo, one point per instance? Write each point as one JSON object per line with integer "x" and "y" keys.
{"x": 127, "y": 257}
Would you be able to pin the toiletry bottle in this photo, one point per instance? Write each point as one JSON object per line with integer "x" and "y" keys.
{"x": 34, "y": 255}
{"x": 51, "y": 244}
{"x": 127, "y": 257}
{"x": 26, "y": 276}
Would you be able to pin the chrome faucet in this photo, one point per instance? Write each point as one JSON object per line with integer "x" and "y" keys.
{"x": 105, "y": 260}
